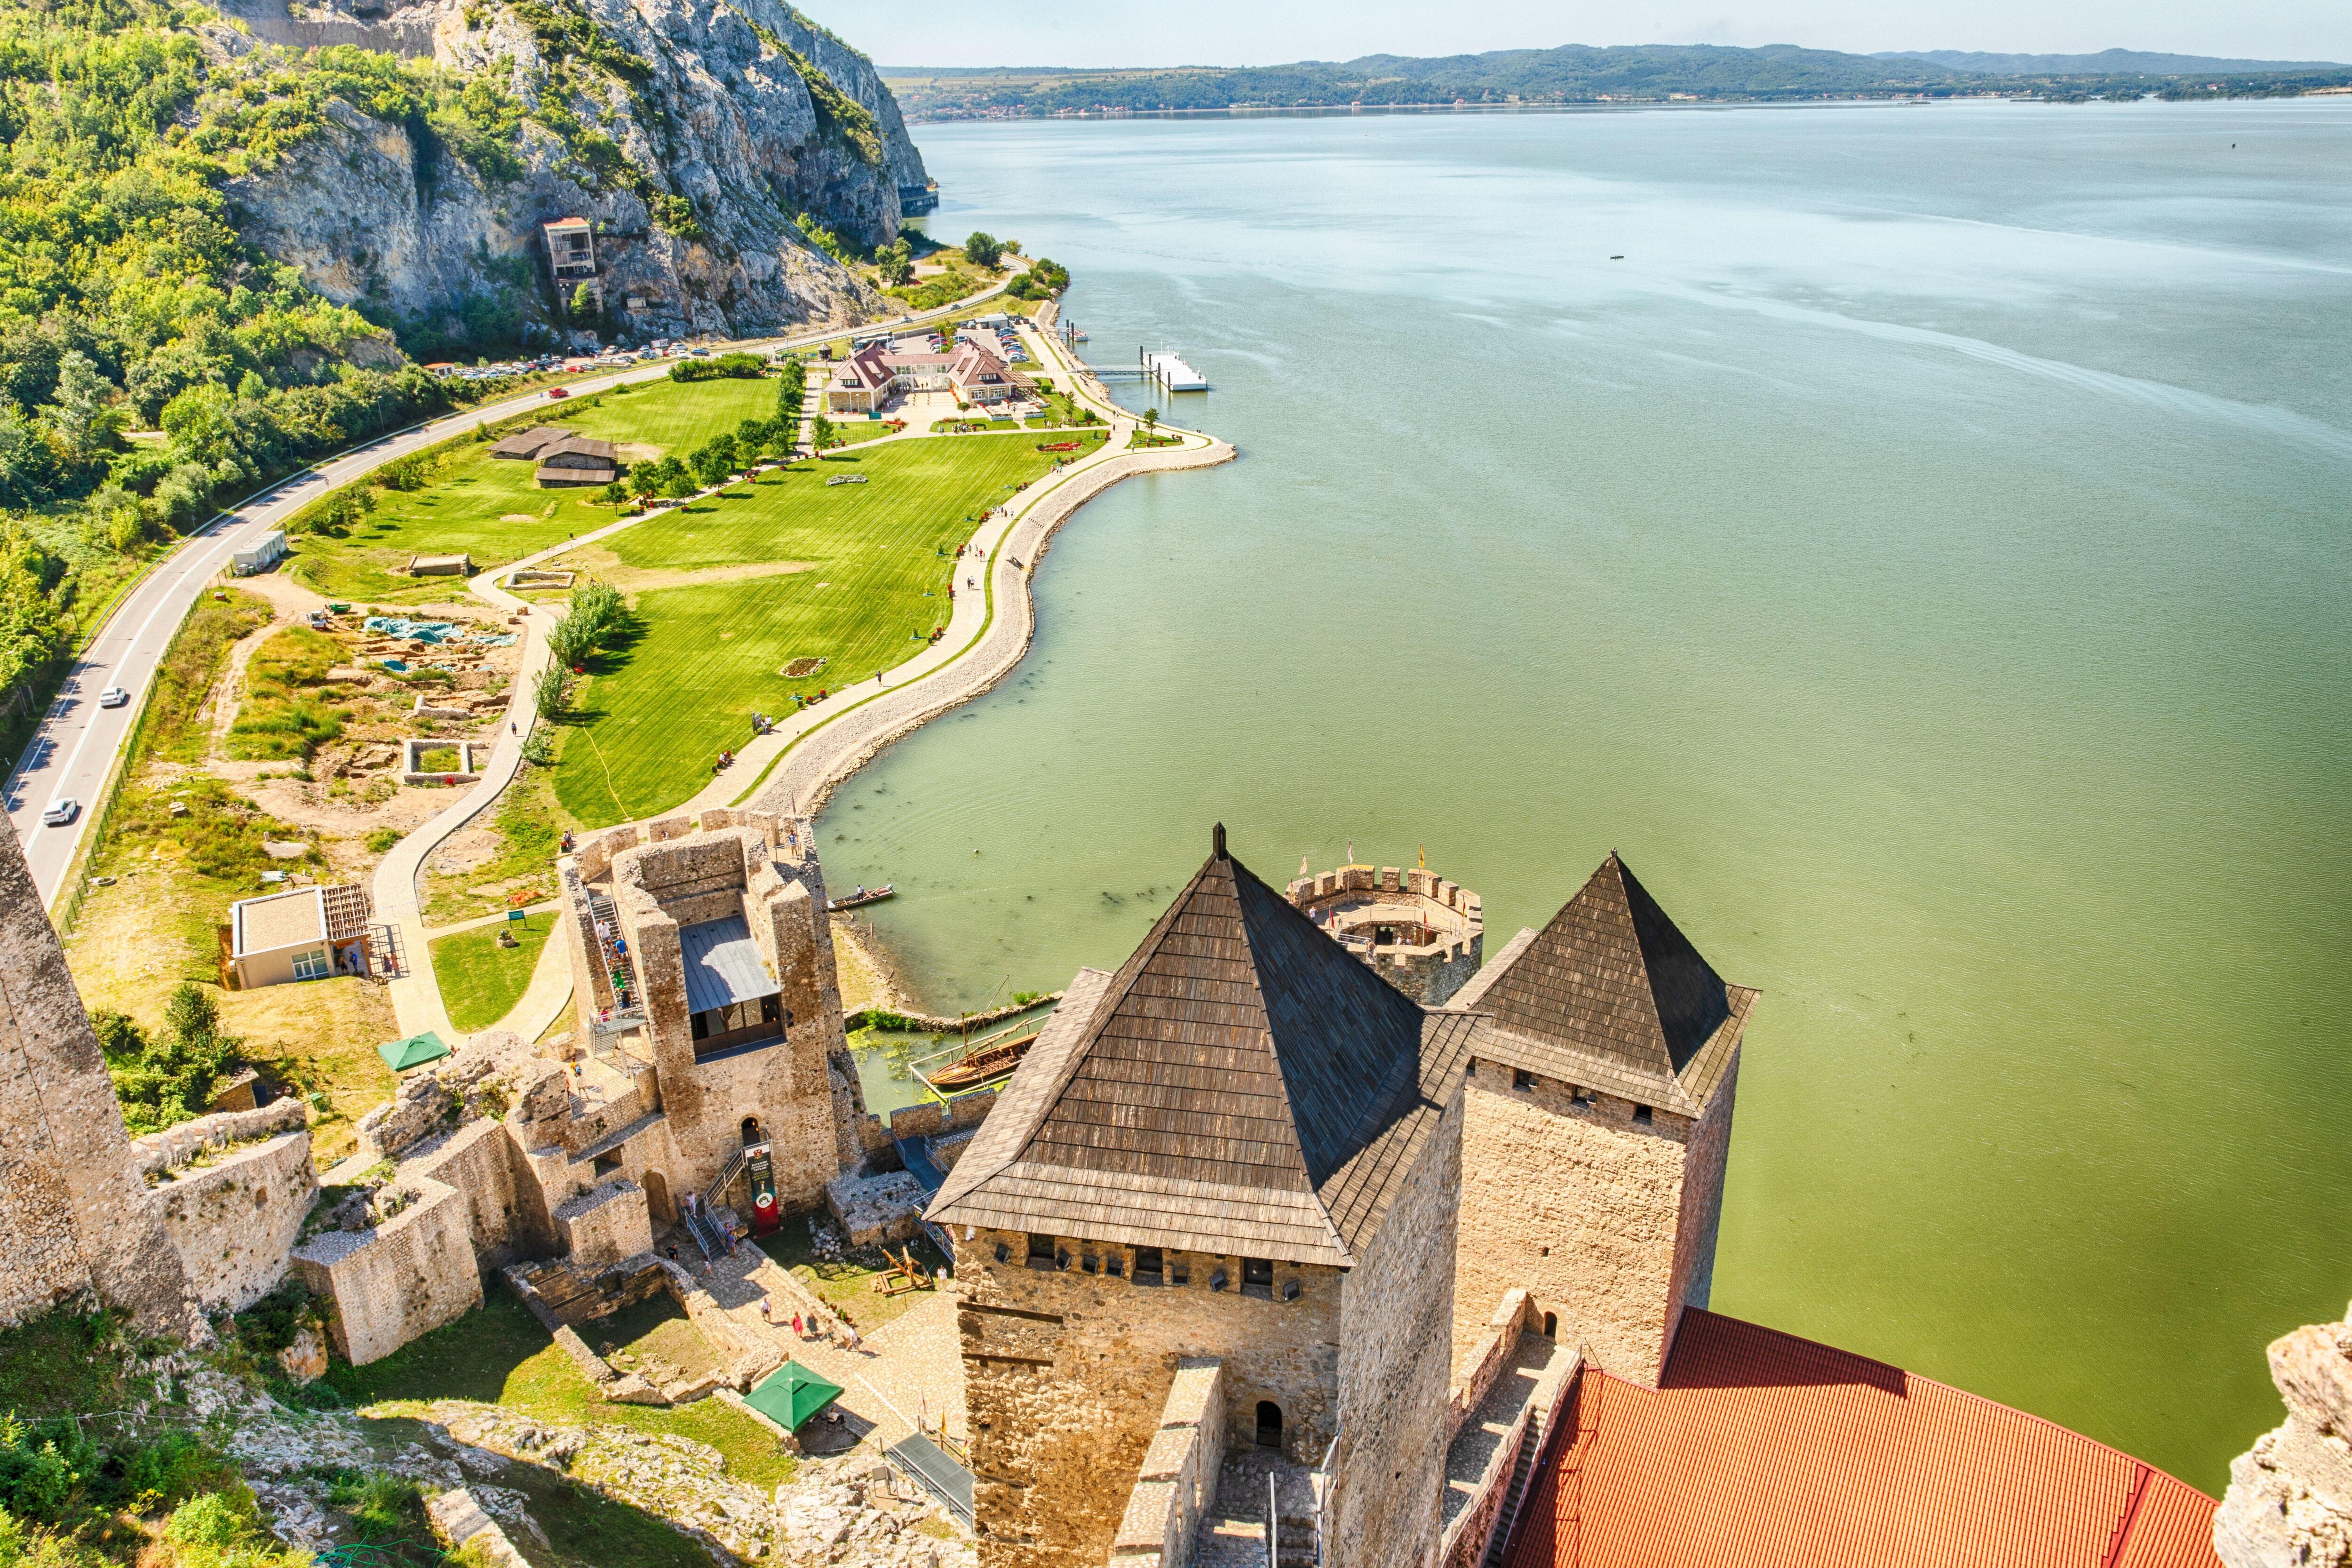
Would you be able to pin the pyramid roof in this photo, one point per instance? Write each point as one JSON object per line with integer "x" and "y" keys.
{"x": 1242, "y": 1084}
{"x": 1612, "y": 995}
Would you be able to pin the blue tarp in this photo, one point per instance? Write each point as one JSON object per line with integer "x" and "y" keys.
{"x": 415, "y": 631}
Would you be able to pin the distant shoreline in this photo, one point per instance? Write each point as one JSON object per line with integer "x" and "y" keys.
{"x": 1840, "y": 100}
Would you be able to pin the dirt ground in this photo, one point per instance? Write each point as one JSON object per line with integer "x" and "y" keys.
{"x": 866, "y": 978}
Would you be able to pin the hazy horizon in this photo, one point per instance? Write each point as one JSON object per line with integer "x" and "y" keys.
{"x": 1064, "y": 34}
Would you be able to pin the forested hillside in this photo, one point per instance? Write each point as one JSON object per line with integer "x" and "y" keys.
{"x": 221, "y": 257}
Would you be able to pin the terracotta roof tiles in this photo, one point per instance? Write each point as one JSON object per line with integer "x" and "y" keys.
{"x": 1767, "y": 1451}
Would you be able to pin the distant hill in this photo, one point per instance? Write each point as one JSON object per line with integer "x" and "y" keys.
{"x": 1577, "y": 74}
{"x": 2106, "y": 62}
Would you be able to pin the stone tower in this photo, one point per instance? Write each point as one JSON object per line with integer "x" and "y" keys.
{"x": 74, "y": 1216}
{"x": 1237, "y": 1156}
{"x": 1597, "y": 1124}
{"x": 1419, "y": 931}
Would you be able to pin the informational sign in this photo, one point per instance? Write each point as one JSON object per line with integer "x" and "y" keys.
{"x": 764, "y": 1214}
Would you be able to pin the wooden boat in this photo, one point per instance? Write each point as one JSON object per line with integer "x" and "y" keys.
{"x": 984, "y": 1063}
{"x": 864, "y": 897}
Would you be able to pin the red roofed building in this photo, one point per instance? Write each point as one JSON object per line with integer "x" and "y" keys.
{"x": 1762, "y": 1450}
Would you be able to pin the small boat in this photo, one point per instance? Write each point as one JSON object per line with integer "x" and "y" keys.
{"x": 984, "y": 1063}
{"x": 862, "y": 897}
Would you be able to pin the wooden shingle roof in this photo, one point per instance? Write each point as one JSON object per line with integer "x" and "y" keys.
{"x": 1241, "y": 1084}
{"x": 1612, "y": 995}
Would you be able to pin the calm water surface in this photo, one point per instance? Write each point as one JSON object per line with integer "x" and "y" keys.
{"x": 1924, "y": 555}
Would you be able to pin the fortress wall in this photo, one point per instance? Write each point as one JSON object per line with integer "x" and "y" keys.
{"x": 235, "y": 1223}
{"x": 1396, "y": 1328}
{"x": 604, "y": 1225}
{"x": 73, "y": 1208}
{"x": 1066, "y": 1374}
{"x": 503, "y": 1219}
{"x": 388, "y": 1285}
{"x": 1581, "y": 1205}
{"x": 1176, "y": 1481}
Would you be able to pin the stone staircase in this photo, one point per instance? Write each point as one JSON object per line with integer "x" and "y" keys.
{"x": 1507, "y": 1521}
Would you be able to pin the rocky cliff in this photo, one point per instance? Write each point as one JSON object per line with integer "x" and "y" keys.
{"x": 703, "y": 140}
{"x": 2290, "y": 1499}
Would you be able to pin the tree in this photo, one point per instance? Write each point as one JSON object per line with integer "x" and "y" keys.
{"x": 614, "y": 493}
{"x": 1151, "y": 419}
{"x": 549, "y": 692}
{"x": 983, "y": 249}
{"x": 169, "y": 1078}
{"x": 714, "y": 460}
{"x": 584, "y": 302}
{"x": 821, "y": 433}
{"x": 896, "y": 262}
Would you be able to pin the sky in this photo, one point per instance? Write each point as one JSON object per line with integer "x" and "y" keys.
{"x": 1249, "y": 32}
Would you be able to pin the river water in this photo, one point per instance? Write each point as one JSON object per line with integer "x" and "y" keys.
{"x": 1924, "y": 555}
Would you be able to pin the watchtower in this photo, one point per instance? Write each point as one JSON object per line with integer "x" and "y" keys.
{"x": 1419, "y": 932}
{"x": 1597, "y": 1125}
{"x": 1239, "y": 1152}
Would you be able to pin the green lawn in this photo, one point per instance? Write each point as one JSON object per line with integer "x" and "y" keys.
{"x": 480, "y": 981}
{"x": 499, "y": 1356}
{"x": 469, "y": 505}
{"x": 654, "y": 714}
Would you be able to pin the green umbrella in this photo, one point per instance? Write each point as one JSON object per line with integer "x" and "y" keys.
{"x": 790, "y": 1394}
{"x": 414, "y": 1051}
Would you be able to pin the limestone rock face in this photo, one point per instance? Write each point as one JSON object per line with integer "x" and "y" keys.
{"x": 379, "y": 214}
{"x": 2290, "y": 1499}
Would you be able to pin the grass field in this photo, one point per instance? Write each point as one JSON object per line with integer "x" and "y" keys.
{"x": 847, "y": 1284}
{"x": 285, "y": 713}
{"x": 480, "y": 981}
{"x": 654, "y": 714}
{"x": 499, "y": 1354}
{"x": 490, "y": 508}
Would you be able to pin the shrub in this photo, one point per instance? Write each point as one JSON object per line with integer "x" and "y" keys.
{"x": 549, "y": 690}
{"x": 169, "y": 1079}
{"x": 380, "y": 839}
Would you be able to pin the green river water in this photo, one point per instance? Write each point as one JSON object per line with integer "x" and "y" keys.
{"x": 1924, "y": 555}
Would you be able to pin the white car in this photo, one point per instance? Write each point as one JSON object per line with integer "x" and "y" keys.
{"x": 61, "y": 811}
{"x": 113, "y": 697}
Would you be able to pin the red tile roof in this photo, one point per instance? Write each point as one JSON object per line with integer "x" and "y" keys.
{"x": 1762, "y": 1450}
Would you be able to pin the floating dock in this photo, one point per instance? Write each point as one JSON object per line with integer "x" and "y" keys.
{"x": 1167, "y": 368}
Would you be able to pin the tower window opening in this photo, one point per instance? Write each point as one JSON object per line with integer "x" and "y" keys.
{"x": 1641, "y": 1114}
{"x": 1147, "y": 1266}
{"x": 1522, "y": 1079}
{"x": 1040, "y": 1252}
{"x": 1257, "y": 1277}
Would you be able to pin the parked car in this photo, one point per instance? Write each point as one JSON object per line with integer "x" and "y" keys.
{"x": 557, "y": 392}
{"x": 700, "y": 353}
{"x": 113, "y": 697}
{"x": 62, "y": 810}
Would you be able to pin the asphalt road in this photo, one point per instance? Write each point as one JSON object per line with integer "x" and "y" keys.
{"x": 75, "y": 747}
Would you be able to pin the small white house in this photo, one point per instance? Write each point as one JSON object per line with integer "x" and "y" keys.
{"x": 308, "y": 934}
{"x": 261, "y": 556}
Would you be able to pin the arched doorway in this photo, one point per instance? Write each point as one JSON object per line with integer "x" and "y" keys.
{"x": 1551, "y": 1325}
{"x": 751, "y": 1132}
{"x": 658, "y": 1198}
{"x": 1269, "y": 1424}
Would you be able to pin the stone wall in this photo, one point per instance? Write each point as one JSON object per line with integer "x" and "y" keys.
{"x": 156, "y": 1153}
{"x": 506, "y": 1217}
{"x": 74, "y": 1216}
{"x": 1581, "y": 1205}
{"x": 233, "y": 1223}
{"x": 388, "y": 1284}
{"x": 1396, "y": 1329}
{"x": 1178, "y": 1478}
{"x": 1476, "y": 1374}
{"x": 2290, "y": 1499}
{"x": 1066, "y": 1373}
{"x": 606, "y": 1225}
{"x": 1692, "y": 1283}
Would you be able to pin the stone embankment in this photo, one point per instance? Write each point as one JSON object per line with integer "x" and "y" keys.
{"x": 812, "y": 769}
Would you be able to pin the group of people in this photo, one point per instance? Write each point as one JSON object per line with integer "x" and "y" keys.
{"x": 814, "y": 1326}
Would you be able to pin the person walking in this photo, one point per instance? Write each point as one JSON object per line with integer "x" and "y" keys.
{"x": 797, "y": 1330}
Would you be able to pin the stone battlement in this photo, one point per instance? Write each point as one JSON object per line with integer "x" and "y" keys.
{"x": 1422, "y": 933}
